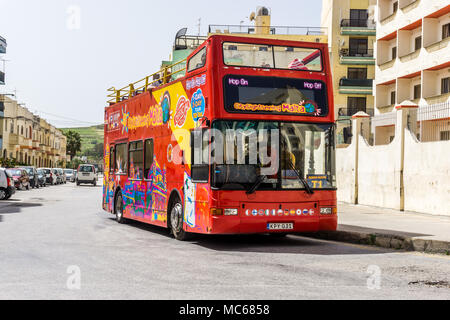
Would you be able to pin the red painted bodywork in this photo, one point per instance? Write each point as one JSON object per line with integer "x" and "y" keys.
{"x": 206, "y": 198}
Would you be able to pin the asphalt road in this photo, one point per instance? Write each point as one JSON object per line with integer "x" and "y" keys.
{"x": 57, "y": 243}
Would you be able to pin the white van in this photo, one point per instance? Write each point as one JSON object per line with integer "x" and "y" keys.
{"x": 86, "y": 174}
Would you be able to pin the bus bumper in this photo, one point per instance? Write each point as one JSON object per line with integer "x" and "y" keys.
{"x": 246, "y": 225}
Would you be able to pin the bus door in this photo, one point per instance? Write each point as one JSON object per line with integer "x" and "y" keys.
{"x": 134, "y": 190}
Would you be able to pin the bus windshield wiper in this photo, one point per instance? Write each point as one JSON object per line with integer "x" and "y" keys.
{"x": 300, "y": 177}
{"x": 260, "y": 180}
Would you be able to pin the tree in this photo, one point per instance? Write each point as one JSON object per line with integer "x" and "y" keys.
{"x": 73, "y": 143}
{"x": 74, "y": 164}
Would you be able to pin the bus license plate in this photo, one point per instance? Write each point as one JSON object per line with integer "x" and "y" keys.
{"x": 280, "y": 226}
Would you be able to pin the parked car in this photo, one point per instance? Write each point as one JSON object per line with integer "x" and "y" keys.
{"x": 7, "y": 188}
{"x": 42, "y": 178}
{"x": 34, "y": 177}
{"x": 62, "y": 175}
{"x": 55, "y": 173}
{"x": 21, "y": 178}
{"x": 70, "y": 174}
{"x": 50, "y": 177}
{"x": 86, "y": 174}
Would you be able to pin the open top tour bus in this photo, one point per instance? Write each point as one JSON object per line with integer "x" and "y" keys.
{"x": 237, "y": 139}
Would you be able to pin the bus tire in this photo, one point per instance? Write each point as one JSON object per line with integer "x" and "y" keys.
{"x": 176, "y": 222}
{"x": 118, "y": 208}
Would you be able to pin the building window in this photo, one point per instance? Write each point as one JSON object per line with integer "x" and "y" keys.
{"x": 357, "y": 73}
{"x": 394, "y": 53}
{"x": 358, "y": 17}
{"x": 445, "y": 135}
{"x": 393, "y": 97}
{"x": 395, "y": 7}
{"x": 417, "y": 91}
{"x": 445, "y": 85}
{"x": 136, "y": 156}
{"x": 358, "y": 47}
{"x": 356, "y": 104}
{"x": 445, "y": 31}
{"x": 418, "y": 43}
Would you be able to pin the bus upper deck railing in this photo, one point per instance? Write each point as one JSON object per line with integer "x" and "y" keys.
{"x": 161, "y": 77}
{"x": 280, "y": 30}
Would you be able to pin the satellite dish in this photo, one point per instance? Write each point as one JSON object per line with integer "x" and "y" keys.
{"x": 252, "y": 16}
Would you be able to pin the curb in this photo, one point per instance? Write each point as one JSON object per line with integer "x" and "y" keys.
{"x": 383, "y": 240}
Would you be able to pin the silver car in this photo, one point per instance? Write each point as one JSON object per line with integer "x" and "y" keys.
{"x": 70, "y": 175}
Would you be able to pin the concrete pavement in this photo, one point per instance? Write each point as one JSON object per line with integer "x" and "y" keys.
{"x": 52, "y": 237}
{"x": 392, "y": 229}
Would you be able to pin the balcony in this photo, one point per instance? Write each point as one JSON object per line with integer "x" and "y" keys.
{"x": 36, "y": 145}
{"x": 357, "y": 56}
{"x": 355, "y": 86}
{"x": 360, "y": 27}
{"x": 349, "y": 112}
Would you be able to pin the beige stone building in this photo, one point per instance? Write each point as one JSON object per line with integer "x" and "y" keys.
{"x": 351, "y": 31}
{"x": 29, "y": 139}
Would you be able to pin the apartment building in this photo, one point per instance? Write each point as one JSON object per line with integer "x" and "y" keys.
{"x": 351, "y": 31}
{"x": 413, "y": 65}
{"x": 29, "y": 139}
{"x": 413, "y": 53}
{"x": 3, "y": 46}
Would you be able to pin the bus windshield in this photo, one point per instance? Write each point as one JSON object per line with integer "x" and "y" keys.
{"x": 283, "y": 153}
{"x": 272, "y": 57}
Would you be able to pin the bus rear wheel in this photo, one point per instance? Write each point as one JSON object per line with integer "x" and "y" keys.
{"x": 118, "y": 209}
{"x": 176, "y": 222}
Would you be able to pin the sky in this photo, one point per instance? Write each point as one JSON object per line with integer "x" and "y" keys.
{"x": 63, "y": 55}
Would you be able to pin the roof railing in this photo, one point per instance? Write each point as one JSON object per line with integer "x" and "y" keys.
{"x": 162, "y": 77}
{"x": 282, "y": 30}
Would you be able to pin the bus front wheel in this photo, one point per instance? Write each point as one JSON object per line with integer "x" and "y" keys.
{"x": 176, "y": 222}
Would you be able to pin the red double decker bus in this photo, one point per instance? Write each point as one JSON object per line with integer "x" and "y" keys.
{"x": 237, "y": 139}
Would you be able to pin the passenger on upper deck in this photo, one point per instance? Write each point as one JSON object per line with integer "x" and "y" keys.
{"x": 156, "y": 81}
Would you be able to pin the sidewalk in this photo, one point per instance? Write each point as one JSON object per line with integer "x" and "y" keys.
{"x": 392, "y": 229}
